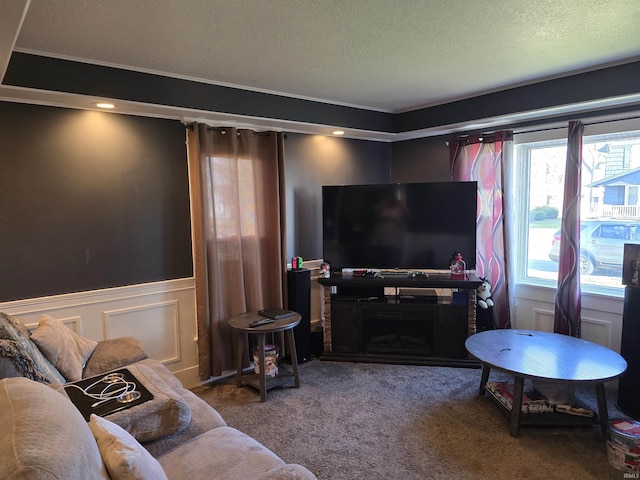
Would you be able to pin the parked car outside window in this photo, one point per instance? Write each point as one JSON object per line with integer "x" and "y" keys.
{"x": 601, "y": 243}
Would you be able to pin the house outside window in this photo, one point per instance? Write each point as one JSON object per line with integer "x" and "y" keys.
{"x": 610, "y": 207}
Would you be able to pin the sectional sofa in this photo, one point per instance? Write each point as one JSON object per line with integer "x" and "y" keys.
{"x": 175, "y": 434}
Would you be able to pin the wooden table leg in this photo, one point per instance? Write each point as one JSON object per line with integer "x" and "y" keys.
{"x": 294, "y": 356}
{"x": 240, "y": 337}
{"x": 263, "y": 373}
{"x": 516, "y": 405}
{"x": 602, "y": 408}
{"x": 484, "y": 379}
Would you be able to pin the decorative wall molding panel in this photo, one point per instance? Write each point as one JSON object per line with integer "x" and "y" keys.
{"x": 160, "y": 314}
{"x": 157, "y": 323}
{"x": 596, "y": 330}
{"x": 543, "y": 320}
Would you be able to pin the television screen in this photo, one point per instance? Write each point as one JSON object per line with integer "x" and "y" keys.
{"x": 405, "y": 226}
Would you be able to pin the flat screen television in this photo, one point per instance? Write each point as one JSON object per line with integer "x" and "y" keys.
{"x": 409, "y": 226}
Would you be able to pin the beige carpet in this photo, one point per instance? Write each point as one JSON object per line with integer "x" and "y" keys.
{"x": 373, "y": 421}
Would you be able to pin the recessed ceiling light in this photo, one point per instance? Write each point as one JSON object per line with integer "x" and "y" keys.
{"x": 105, "y": 105}
{"x": 338, "y": 132}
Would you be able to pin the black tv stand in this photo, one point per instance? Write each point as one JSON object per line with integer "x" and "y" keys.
{"x": 399, "y": 319}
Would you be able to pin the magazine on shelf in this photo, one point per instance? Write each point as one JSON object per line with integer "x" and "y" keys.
{"x": 575, "y": 410}
{"x": 533, "y": 401}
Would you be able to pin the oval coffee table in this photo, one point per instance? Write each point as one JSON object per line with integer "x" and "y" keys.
{"x": 551, "y": 357}
{"x": 241, "y": 324}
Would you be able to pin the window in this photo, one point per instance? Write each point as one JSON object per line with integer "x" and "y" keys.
{"x": 610, "y": 207}
{"x": 233, "y": 180}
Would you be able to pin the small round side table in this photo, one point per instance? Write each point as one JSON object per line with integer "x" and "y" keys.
{"x": 241, "y": 325}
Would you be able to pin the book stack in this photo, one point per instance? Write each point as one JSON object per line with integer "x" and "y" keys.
{"x": 532, "y": 401}
{"x": 575, "y": 410}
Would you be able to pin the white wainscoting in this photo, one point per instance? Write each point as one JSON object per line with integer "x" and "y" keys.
{"x": 160, "y": 314}
{"x": 543, "y": 319}
{"x": 601, "y": 318}
{"x": 73, "y": 323}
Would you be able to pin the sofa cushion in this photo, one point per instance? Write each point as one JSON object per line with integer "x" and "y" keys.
{"x": 213, "y": 418}
{"x": 64, "y": 348}
{"x": 43, "y": 435}
{"x": 23, "y": 353}
{"x": 112, "y": 354}
{"x": 123, "y": 456}
{"x": 203, "y": 416}
{"x": 231, "y": 455}
{"x": 165, "y": 414}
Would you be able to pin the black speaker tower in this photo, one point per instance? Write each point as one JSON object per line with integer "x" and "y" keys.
{"x": 629, "y": 383}
{"x": 299, "y": 300}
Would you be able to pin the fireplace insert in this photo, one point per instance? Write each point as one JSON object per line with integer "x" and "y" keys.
{"x": 388, "y": 331}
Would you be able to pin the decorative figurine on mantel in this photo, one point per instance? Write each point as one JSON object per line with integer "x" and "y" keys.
{"x": 325, "y": 270}
{"x": 458, "y": 267}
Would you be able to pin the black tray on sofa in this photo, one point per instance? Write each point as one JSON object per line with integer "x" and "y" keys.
{"x": 94, "y": 385}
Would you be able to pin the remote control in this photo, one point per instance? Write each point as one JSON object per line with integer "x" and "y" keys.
{"x": 262, "y": 321}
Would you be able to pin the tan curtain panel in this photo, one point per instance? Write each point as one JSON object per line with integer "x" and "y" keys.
{"x": 237, "y": 190}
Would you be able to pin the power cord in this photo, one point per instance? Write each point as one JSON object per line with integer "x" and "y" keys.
{"x": 117, "y": 388}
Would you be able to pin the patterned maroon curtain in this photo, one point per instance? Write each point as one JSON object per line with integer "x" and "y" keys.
{"x": 568, "y": 296}
{"x": 480, "y": 158}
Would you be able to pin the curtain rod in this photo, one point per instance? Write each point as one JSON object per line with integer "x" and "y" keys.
{"x": 548, "y": 129}
{"x": 223, "y": 130}
{"x": 599, "y": 122}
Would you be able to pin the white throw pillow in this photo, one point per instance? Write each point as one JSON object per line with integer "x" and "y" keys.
{"x": 64, "y": 348}
{"x": 124, "y": 457}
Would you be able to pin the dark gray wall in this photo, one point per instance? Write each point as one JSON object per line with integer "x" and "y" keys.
{"x": 34, "y": 71}
{"x": 619, "y": 80}
{"x": 313, "y": 161}
{"x": 44, "y": 73}
{"x": 420, "y": 160}
{"x": 90, "y": 200}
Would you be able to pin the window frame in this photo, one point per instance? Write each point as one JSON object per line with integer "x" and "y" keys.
{"x": 519, "y": 181}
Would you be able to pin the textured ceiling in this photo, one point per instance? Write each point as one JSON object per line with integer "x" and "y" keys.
{"x": 378, "y": 54}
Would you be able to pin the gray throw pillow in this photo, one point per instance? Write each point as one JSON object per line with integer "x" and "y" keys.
{"x": 64, "y": 348}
